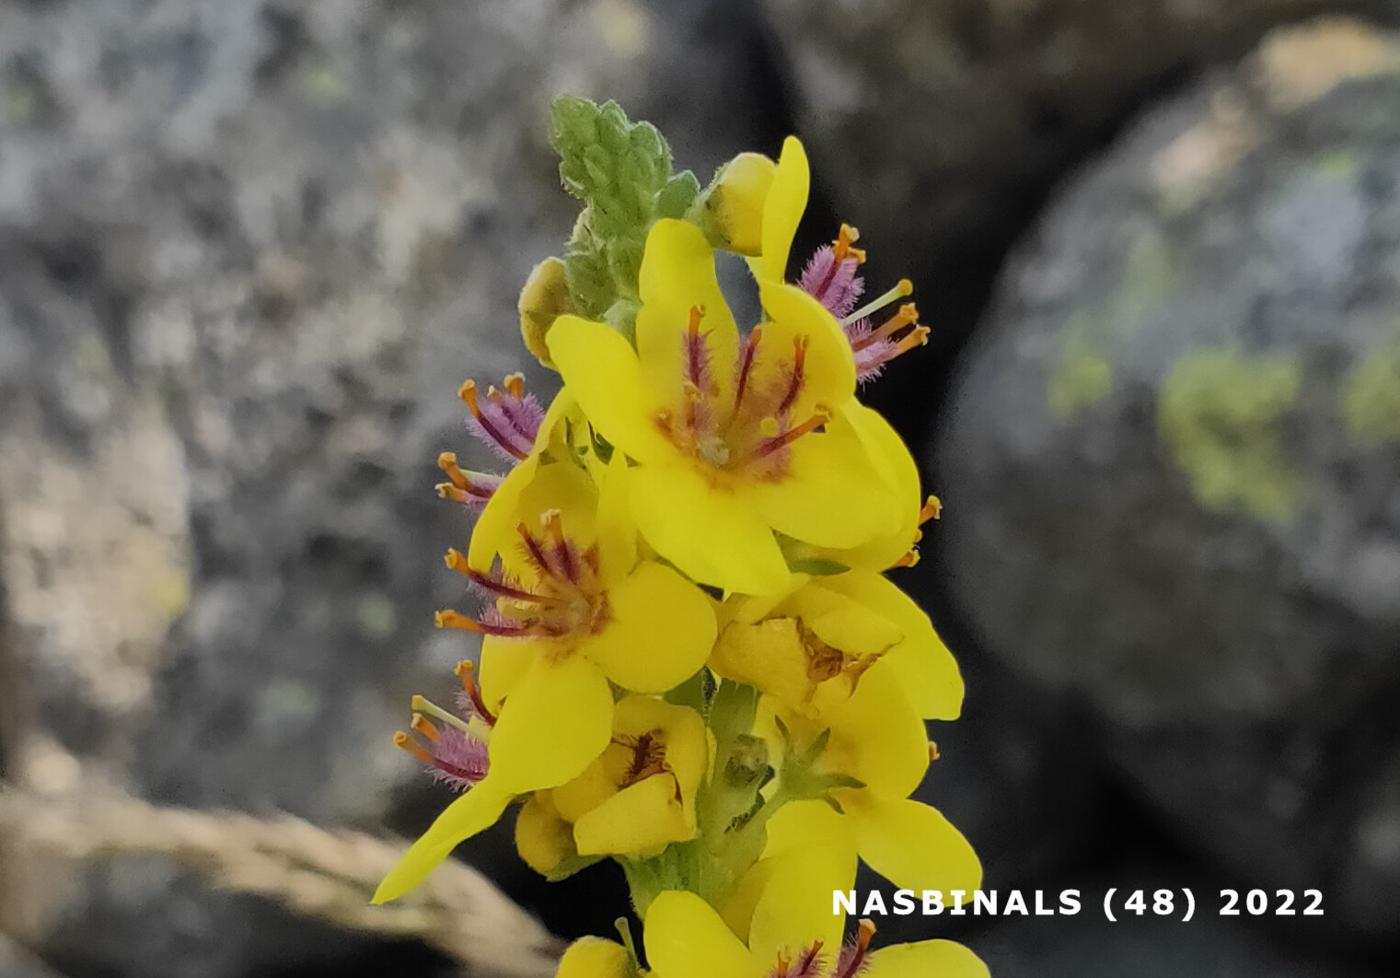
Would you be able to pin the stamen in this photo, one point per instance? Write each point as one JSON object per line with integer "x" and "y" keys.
{"x": 907, "y": 315}
{"x": 554, "y": 525}
{"x": 467, "y": 393}
{"x": 902, "y": 289}
{"x": 447, "y": 618}
{"x": 855, "y": 956}
{"x": 918, "y": 336}
{"x": 648, "y": 756}
{"x": 473, "y": 483}
{"x": 910, "y": 559}
{"x": 456, "y": 561}
{"x": 695, "y": 347}
{"x": 799, "y": 372}
{"x": 535, "y": 550}
{"x": 410, "y": 746}
{"x": 420, "y": 704}
{"x": 424, "y": 727}
{"x": 932, "y": 510}
{"x": 771, "y": 445}
{"x": 523, "y": 416}
{"x": 746, "y": 358}
{"x": 466, "y": 672}
{"x": 841, "y": 247}
{"x": 933, "y": 754}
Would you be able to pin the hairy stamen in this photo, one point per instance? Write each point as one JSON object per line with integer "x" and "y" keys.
{"x": 467, "y": 393}
{"x": 771, "y": 445}
{"x": 902, "y": 289}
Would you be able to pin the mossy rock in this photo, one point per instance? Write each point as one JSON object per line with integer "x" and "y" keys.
{"x": 1172, "y": 460}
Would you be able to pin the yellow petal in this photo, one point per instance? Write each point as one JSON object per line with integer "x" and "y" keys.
{"x": 943, "y": 959}
{"x": 795, "y": 910}
{"x": 928, "y": 672}
{"x": 712, "y": 534}
{"x": 594, "y": 957}
{"x": 829, "y": 375}
{"x": 769, "y": 656}
{"x": 877, "y": 737}
{"x": 475, "y": 811}
{"x": 685, "y": 938}
{"x": 600, "y": 368}
{"x": 841, "y": 622}
{"x": 805, "y": 826}
{"x": 494, "y": 532}
{"x": 736, "y": 204}
{"x": 893, "y": 463}
{"x": 504, "y": 662}
{"x": 531, "y": 489}
{"x": 640, "y": 820}
{"x": 737, "y": 907}
{"x": 782, "y": 211}
{"x": 830, "y": 497}
{"x": 579, "y": 796}
{"x": 912, "y": 845}
{"x": 683, "y": 730}
{"x": 617, "y": 533}
{"x": 543, "y": 839}
{"x": 660, "y": 631}
{"x": 555, "y": 722}
{"x": 677, "y": 275}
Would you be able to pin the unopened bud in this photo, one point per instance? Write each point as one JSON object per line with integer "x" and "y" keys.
{"x": 544, "y": 298}
{"x": 731, "y": 211}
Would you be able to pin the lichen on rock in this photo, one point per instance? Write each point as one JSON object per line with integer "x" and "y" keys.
{"x": 1219, "y": 414}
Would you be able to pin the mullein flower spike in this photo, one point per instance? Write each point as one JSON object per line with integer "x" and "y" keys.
{"x": 690, "y": 657}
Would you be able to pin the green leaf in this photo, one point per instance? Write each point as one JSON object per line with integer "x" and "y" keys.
{"x": 621, "y": 171}
{"x": 676, "y": 197}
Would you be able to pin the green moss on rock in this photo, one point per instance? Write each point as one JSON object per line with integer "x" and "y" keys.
{"x": 1082, "y": 379}
{"x": 1371, "y": 399}
{"x": 1218, "y": 414}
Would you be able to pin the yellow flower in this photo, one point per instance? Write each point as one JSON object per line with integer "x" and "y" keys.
{"x": 573, "y": 610}
{"x": 733, "y": 440}
{"x": 633, "y": 800}
{"x": 831, "y": 274}
{"x": 792, "y": 935}
{"x": 813, "y": 644}
{"x": 837, "y": 663}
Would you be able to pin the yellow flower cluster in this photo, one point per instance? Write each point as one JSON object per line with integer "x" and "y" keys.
{"x": 692, "y": 660}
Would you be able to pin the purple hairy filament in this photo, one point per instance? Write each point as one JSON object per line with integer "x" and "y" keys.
{"x": 449, "y": 749}
{"x": 831, "y": 277}
{"x": 811, "y": 963}
{"x": 750, "y": 432}
{"x": 565, "y": 600}
{"x": 507, "y": 421}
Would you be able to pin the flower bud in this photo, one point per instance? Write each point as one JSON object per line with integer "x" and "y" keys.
{"x": 544, "y": 298}
{"x": 732, "y": 206}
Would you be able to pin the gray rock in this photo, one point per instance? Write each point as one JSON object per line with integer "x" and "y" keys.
{"x": 1173, "y": 456}
{"x": 938, "y": 126}
{"x": 248, "y": 252}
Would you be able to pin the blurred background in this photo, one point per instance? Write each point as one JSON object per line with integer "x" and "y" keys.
{"x": 249, "y": 249}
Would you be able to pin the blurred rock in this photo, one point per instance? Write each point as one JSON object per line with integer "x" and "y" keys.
{"x": 1176, "y": 448}
{"x": 247, "y": 253}
{"x": 937, "y": 126}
